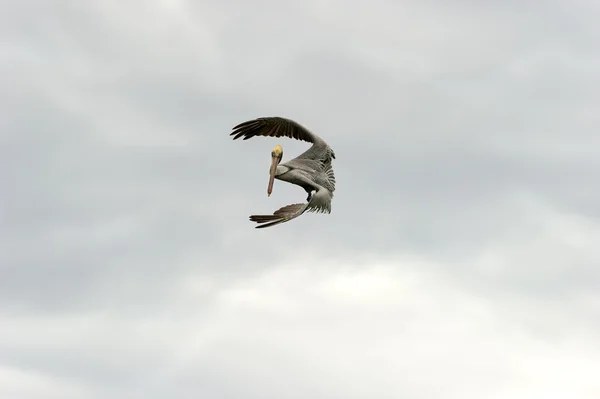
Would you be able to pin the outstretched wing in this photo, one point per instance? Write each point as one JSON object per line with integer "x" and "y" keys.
{"x": 281, "y": 215}
{"x": 274, "y": 127}
{"x": 320, "y": 202}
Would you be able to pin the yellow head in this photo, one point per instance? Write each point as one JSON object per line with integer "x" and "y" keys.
{"x": 277, "y": 152}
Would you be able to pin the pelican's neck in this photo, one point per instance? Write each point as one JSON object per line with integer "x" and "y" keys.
{"x": 281, "y": 169}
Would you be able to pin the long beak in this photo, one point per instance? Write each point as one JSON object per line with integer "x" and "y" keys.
{"x": 274, "y": 163}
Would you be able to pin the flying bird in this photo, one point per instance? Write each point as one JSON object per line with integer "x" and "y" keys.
{"x": 310, "y": 170}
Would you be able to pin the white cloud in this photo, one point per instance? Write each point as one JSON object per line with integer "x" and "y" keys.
{"x": 28, "y": 384}
{"x": 389, "y": 330}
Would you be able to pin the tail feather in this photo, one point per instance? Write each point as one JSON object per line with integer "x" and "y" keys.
{"x": 320, "y": 202}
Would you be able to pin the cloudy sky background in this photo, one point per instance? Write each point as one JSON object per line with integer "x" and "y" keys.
{"x": 461, "y": 259}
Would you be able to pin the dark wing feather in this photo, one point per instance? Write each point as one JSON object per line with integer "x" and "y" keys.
{"x": 281, "y": 215}
{"x": 274, "y": 127}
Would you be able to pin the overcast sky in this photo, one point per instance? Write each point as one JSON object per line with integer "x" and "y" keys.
{"x": 461, "y": 259}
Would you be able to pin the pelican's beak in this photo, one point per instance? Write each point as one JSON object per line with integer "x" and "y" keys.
{"x": 275, "y": 159}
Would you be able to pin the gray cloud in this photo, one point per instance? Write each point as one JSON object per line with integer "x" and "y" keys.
{"x": 463, "y": 235}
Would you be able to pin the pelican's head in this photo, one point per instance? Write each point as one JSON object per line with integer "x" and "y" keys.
{"x": 276, "y": 156}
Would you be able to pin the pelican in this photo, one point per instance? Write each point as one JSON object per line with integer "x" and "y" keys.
{"x": 310, "y": 170}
